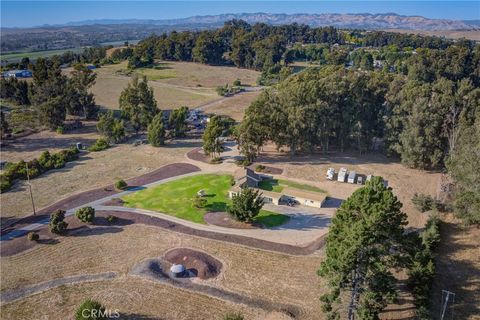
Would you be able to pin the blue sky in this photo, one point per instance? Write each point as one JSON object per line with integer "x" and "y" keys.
{"x": 33, "y": 13}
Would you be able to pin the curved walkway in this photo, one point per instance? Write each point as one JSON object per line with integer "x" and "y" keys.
{"x": 24, "y": 225}
{"x": 11, "y": 295}
{"x": 305, "y": 229}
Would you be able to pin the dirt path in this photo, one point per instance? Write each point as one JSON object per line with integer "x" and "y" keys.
{"x": 220, "y": 100}
{"x": 11, "y": 295}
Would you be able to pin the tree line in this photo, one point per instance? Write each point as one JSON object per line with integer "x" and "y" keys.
{"x": 260, "y": 45}
{"x": 54, "y": 94}
{"x": 95, "y": 55}
{"x": 426, "y": 117}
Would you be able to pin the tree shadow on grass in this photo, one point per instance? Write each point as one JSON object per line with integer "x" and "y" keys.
{"x": 211, "y": 195}
{"x": 95, "y": 231}
{"x": 216, "y": 206}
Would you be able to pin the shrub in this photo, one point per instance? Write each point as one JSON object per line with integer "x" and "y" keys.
{"x": 111, "y": 219}
{"x": 90, "y": 309}
{"x": 233, "y": 316}
{"x": 431, "y": 234}
{"x": 216, "y": 160}
{"x": 237, "y": 83}
{"x": 259, "y": 168}
{"x": 60, "y": 130}
{"x": 199, "y": 202}
{"x": 121, "y": 184}
{"x": 85, "y": 214}
{"x": 46, "y": 160}
{"x": 100, "y": 144}
{"x": 5, "y": 183}
{"x": 57, "y": 225}
{"x": 423, "y": 202}
{"x": 32, "y": 236}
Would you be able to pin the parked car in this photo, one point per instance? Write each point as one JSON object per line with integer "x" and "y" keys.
{"x": 360, "y": 180}
{"x": 291, "y": 202}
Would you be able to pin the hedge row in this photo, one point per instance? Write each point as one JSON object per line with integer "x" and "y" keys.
{"x": 47, "y": 161}
{"x": 422, "y": 270}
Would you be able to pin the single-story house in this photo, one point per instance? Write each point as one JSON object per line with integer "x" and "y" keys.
{"x": 17, "y": 74}
{"x": 267, "y": 196}
{"x": 303, "y": 197}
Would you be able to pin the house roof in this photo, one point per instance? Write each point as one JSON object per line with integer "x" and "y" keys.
{"x": 309, "y": 195}
{"x": 270, "y": 194}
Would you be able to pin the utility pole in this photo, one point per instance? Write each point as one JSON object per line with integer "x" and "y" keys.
{"x": 30, "y": 189}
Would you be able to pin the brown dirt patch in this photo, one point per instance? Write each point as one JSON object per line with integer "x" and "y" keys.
{"x": 198, "y": 155}
{"x": 223, "y": 219}
{"x": 203, "y": 265}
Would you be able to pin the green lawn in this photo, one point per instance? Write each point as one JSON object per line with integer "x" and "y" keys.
{"x": 175, "y": 198}
{"x": 17, "y": 56}
{"x": 277, "y": 185}
{"x": 158, "y": 72}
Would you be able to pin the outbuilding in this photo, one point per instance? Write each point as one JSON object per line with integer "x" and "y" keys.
{"x": 342, "y": 174}
{"x": 177, "y": 270}
{"x": 330, "y": 173}
{"x": 352, "y": 176}
{"x": 304, "y": 197}
{"x": 17, "y": 74}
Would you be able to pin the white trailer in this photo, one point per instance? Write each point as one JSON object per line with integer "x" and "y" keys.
{"x": 330, "y": 173}
{"x": 352, "y": 176}
{"x": 342, "y": 175}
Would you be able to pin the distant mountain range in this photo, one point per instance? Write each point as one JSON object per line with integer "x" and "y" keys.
{"x": 95, "y": 32}
{"x": 358, "y": 21}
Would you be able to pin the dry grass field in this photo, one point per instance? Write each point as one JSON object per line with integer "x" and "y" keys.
{"x": 175, "y": 84}
{"x": 134, "y": 298}
{"x": 233, "y": 107}
{"x": 92, "y": 169}
{"x": 258, "y": 274}
{"x": 458, "y": 268}
{"x": 451, "y": 34}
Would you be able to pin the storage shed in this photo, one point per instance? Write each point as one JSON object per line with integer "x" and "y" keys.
{"x": 352, "y": 176}
{"x": 304, "y": 197}
{"x": 342, "y": 175}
